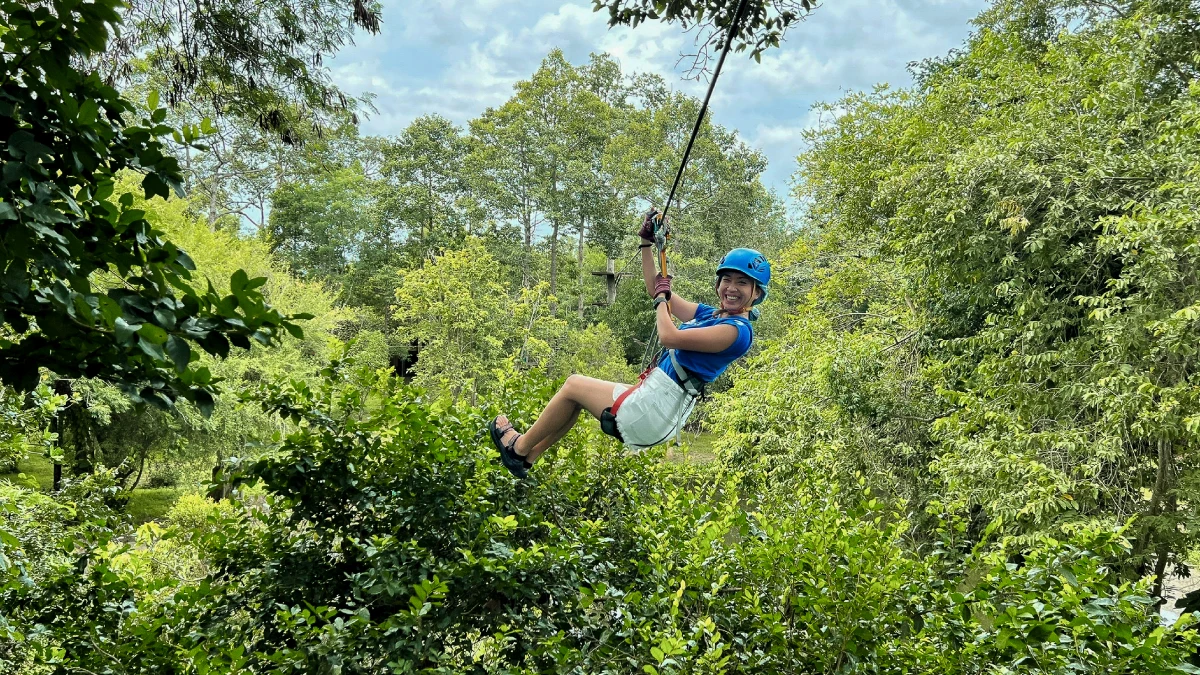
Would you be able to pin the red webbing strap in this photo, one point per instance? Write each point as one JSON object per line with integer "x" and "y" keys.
{"x": 625, "y": 394}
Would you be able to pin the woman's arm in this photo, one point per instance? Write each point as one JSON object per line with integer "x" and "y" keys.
{"x": 681, "y": 308}
{"x": 711, "y": 339}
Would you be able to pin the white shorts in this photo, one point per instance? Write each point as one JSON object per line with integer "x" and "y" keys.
{"x": 654, "y": 411}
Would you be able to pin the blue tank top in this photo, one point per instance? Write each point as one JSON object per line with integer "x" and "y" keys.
{"x": 708, "y": 366}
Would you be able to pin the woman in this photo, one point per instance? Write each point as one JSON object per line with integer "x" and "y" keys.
{"x": 697, "y": 352}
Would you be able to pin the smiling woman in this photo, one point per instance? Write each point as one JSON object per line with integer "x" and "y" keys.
{"x": 695, "y": 353}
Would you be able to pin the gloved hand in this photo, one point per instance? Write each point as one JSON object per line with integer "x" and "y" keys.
{"x": 647, "y": 230}
{"x": 662, "y": 285}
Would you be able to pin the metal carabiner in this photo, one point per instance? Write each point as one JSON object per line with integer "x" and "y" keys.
{"x": 662, "y": 232}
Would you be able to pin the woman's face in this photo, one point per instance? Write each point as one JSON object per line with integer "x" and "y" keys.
{"x": 736, "y": 291}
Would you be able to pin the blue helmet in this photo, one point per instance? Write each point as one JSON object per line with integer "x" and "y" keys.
{"x": 751, "y": 263}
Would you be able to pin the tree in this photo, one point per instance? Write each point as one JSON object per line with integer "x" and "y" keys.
{"x": 425, "y": 169}
{"x": 1037, "y": 198}
{"x": 763, "y": 25}
{"x": 254, "y": 60}
{"x": 98, "y": 426}
{"x": 504, "y": 152}
{"x": 91, "y": 288}
{"x": 322, "y": 224}
{"x": 466, "y": 322}
{"x": 593, "y": 204}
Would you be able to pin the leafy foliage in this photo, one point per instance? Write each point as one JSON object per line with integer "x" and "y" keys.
{"x": 392, "y": 539}
{"x": 24, "y": 418}
{"x": 90, "y": 287}
{"x": 254, "y": 60}
{"x": 468, "y": 326}
{"x": 1001, "y": 284}
{"x": 763, "y": 24}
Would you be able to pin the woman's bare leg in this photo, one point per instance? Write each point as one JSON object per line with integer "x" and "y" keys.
{"x": 562, "y": 412}
{"x": 555, "y": 437}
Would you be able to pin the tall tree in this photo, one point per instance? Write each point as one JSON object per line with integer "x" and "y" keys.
{"x": 591, "y": 200}
{"x": 552, "y": 99}
{"x": 504, "y": 154}
{"x": 425, "y": 169}
{"x": 1031, "y": 206}
{"x": 321, "y": 224}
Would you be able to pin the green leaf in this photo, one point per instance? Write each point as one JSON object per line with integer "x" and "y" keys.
{"x": 155, "y": 186}
{"x": 180, "y": 352}
{"x": 152, "y": 100}
{"x": 152, "y": 349}
{"x": 237, "y": 282}
{"x": 7, "y": 212}
{"x": 204, "y": 402}
{"x": 153, "y": 333}
{"x": 124, "y": 329}
{"x": 82, "y": 309}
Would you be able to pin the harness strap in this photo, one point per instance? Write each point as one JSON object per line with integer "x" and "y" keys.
{"x": 608, "y": 418}
{"x": 624, "y": 395}
{"x": 686, "y": 379}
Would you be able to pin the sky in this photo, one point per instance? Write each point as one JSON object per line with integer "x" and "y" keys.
{"x": 458, "y": 57}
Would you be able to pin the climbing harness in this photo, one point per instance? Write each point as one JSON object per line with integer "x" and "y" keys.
{"x": 692, "y": 388}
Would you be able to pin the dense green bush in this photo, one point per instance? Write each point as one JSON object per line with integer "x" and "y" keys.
{"x": 392, "y": 541}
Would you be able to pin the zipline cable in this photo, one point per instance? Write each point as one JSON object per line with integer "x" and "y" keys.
{"x": 733, "y": 29}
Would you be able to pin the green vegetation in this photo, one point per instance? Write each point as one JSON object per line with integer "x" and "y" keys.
{"x": 36, "y": 467}
{"x": 965, "y": 441}
{"x": 146, "y": 504}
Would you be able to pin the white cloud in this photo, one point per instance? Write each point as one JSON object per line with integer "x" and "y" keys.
{"x": 457, "y": 57}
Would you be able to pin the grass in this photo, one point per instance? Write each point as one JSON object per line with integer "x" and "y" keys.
{"x": 36, "y": 466}
{"x": 145, "y": 504}
{"x": 696, "y": 448}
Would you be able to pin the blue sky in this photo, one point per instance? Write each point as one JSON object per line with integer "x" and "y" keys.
{"x": 457, "y": 57}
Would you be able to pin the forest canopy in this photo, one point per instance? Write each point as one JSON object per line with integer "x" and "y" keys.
{"x": 250, "y": 352}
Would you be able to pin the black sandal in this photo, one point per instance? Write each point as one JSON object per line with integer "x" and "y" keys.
{"x": 515, "y": 463}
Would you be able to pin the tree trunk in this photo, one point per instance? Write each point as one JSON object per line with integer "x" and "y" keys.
{"x": 527, "y": 226}
{"x": 212, "y": 210}
{"x": 141, "y": 467}
{"x": 553, "y": 265}
{"x": 1159, "y": 500}
{"x": 579, "y": 259}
